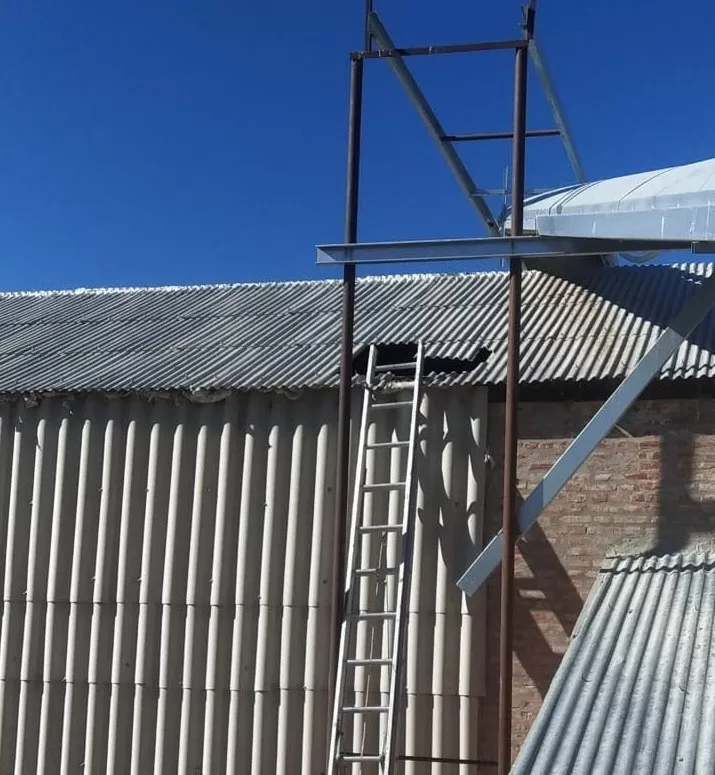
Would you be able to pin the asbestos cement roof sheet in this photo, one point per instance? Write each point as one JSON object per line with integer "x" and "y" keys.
{"x": 272, "y": 336}
{"x": 635, "y": 691}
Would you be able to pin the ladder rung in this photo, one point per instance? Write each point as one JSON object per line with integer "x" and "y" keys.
{"x": 380, "y": 528}
{"x": 387, "y": 444}
{"x": 376, "y": 571}
{"x": 356, "y": 758}
{"x": 369, "y": 662}
{"x": 390, "y": 404}
{"x": 391, "y": 366}
{"x": 375, "y": 615}
{"x": 383, "y": 486}
{"x": 387, "y": 386}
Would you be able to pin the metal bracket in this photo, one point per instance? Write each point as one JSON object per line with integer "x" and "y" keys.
{"x": 696, "y": 308}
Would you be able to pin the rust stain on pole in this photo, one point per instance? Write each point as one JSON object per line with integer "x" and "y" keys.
{"x": 346, "y": 366}
{"x": 510, "y": 423}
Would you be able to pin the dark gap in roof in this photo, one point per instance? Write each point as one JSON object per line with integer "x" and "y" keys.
{"x": 406, "y": 352}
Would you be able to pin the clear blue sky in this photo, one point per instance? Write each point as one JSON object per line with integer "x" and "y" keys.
{"x": 191, "y": 142}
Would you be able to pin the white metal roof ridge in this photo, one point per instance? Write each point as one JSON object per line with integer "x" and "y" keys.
{"x": 675, "y": 203}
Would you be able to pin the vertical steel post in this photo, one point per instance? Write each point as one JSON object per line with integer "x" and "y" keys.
{"x": 510, "y": 422}
{"x": 368, "y": 34}
{"x": 346, "y": 366}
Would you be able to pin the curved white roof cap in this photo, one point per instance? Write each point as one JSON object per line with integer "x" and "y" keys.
{"x": 677, "y": 203}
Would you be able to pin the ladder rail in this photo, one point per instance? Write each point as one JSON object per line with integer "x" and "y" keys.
{"x": 405, "y": 573}
{"x": 396, "y": 607}
{"x": 349, "y": 589}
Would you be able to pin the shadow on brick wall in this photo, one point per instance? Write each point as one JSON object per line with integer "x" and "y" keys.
{"x": 686, "y": 495}
{"x": 545, "y": 602}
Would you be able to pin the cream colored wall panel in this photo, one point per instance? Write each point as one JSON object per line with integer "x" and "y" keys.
{"x": 166, "y": 583}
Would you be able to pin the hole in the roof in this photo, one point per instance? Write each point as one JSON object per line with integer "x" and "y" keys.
{"x": 406, "y": 352}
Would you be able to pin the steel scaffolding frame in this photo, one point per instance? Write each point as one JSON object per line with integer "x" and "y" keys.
{"x": 379, "y": 45}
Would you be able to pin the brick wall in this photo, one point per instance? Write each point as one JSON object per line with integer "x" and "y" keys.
{"x": 649, "y": 487}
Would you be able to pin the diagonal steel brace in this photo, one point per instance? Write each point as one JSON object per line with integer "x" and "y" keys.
{"x": 695, "y": 309}
{"x": 455, "y": 163}
{"x": 556, "y": 109}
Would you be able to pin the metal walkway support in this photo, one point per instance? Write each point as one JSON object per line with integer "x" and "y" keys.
{"x": 627, "y": 236}
{"x": 476, "y": 248}
{"x": 696, "y": 308}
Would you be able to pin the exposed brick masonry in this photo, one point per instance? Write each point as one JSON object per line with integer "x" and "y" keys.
{"x": 649, "y": 487}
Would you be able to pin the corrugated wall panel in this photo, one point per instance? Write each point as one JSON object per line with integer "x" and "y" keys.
{"x": 167, "y": 583}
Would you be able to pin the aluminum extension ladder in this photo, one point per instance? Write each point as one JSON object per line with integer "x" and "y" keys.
{"x": 342, "y": 757}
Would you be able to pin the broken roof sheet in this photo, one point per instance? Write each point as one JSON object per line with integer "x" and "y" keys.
{"x": 271, "y": 336}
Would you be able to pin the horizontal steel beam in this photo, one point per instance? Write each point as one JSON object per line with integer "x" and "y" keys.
{"x": 695, "y": 309}
{"x": 500, "y": 135}
{"x": 454, "y": 48}
{"x": 487, "y": 247}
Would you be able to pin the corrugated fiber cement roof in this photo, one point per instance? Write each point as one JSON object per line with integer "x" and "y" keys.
{"x": 286, "y": 335}
{"x": 635, "y": 691}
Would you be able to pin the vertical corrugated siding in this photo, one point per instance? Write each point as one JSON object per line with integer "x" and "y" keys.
{"x": 167, "y": 584}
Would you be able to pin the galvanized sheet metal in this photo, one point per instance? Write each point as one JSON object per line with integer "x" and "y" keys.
{"x": 286, "y": 335}
{"x": 166, "y": 583}
{"x": 675, "y": 203}
{"x": 635, "y": 692}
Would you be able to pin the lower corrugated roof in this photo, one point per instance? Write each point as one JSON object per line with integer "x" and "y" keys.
{"x": 286, "y": 335}
{"x": 635, "y": 691}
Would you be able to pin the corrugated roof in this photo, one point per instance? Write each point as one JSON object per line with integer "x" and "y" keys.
{"x": 286, "y": 335}
{"x": 635, "y": 691}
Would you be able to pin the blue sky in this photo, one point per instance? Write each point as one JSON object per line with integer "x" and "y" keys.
{"x": 185, "y": 142}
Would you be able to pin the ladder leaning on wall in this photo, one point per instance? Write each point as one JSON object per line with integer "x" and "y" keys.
{"x": 393, "y": 614}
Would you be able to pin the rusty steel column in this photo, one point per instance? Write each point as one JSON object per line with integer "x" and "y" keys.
{"x": 506, "y": 636}
{"x": 346, "y": 365}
